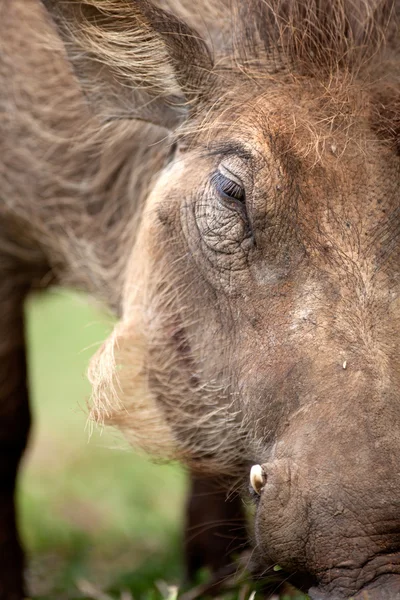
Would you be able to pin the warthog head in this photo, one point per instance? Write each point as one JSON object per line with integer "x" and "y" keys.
{"x": 261, "y": 313}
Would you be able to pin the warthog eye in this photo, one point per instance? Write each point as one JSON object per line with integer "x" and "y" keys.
{"x": 229, "y": 190}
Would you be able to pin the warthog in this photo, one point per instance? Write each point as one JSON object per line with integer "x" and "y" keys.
{"x": 226, "y": 177}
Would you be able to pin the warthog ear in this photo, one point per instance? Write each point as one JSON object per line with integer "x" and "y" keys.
{"x": 133, "y": 59}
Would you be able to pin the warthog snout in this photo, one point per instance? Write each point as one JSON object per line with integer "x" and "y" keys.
{"x": 330, "y": 502}
{"x": 384, "y": 587}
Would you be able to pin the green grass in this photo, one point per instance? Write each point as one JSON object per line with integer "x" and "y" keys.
{"x": 89, "y": 509}
{"x": 96, "y": 518}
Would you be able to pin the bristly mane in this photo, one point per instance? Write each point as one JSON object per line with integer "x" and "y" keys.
{"x": 315, "y": 35}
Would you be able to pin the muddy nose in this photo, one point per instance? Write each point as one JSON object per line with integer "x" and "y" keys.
{"x": 330, "y": 503}
{"x": 386, "y": 587}
{"x": 281, "y": 516}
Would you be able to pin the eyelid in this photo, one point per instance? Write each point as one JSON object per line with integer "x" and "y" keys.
{"x": 227, "y": 173}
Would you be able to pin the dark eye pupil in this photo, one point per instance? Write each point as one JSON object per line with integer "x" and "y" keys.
{"x": 228, "y": 188}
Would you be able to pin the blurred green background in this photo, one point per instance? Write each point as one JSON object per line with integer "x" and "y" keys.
{"x": 93, "y": 514}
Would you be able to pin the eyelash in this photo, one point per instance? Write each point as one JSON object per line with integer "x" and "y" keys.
{"x": 227, "y": 188}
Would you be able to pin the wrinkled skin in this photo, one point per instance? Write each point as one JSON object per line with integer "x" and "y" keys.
{"x": 259, "y": 304}
{"x": 302, "y": 295}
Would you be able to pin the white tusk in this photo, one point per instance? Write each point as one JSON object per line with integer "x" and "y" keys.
{"x": 257, "y": 478}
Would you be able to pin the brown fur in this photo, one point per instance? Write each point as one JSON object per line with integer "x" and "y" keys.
{"x": 58, "y": 209}
{"x": 119, "y": 374}
{"x": 218, "y": 353}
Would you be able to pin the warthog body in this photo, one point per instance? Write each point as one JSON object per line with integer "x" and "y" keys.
{"x": 226, "y": 177}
